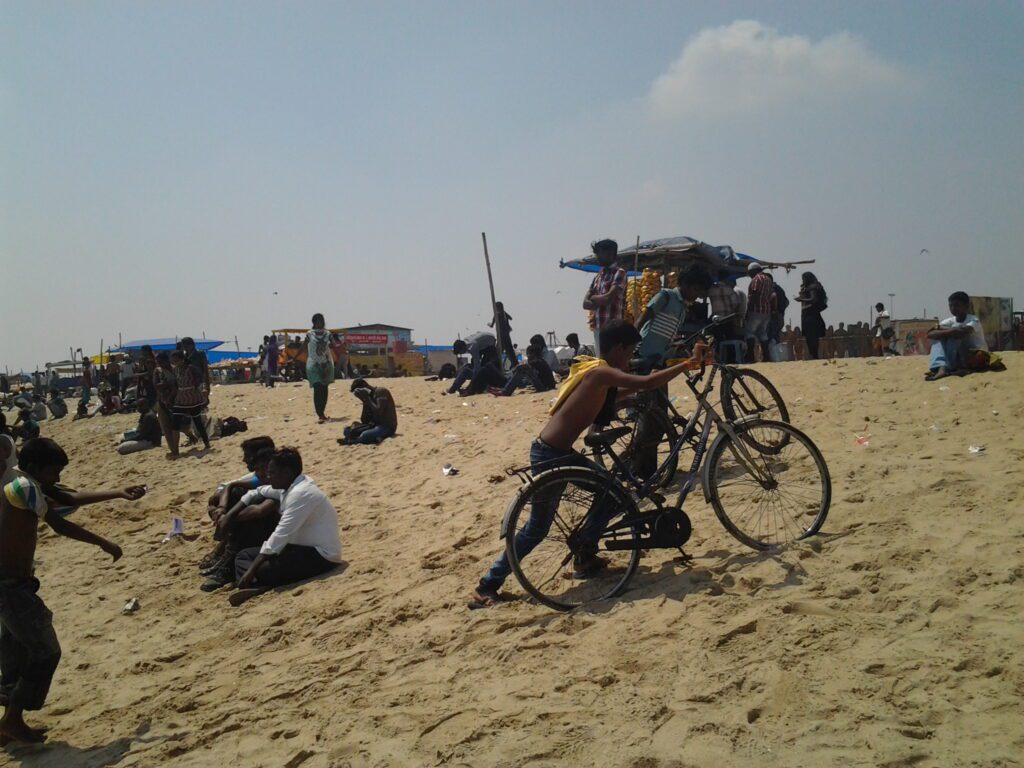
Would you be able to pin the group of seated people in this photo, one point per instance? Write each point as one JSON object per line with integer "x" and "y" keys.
{"x": 272, "y": 526}
{"x": 484, "y": 371}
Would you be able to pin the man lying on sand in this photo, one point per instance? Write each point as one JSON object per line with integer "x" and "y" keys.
{"x": 378, "y": 420}
{"x": 305, "y": 542}
{"x": 243, "y": 526}
{"x": 228, "y": 494}
{"x": 954, "y": 339}
{"x": 29, "y": 651}
{"x": 587, "y": 397}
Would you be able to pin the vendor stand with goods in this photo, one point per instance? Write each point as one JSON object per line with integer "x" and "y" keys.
{"x": 655, "y": 264}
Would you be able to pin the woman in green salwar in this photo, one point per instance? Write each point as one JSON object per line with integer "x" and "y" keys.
{"x": 319, "y": 364}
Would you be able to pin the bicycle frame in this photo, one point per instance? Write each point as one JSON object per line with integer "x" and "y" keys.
{"x": 645, "y": 489}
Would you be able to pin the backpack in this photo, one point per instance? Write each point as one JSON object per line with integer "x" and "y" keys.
{"x": 781, "y": 300}
{"x": 231, "y": 425}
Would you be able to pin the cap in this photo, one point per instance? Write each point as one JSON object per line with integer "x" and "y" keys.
{"x": 754, "y": 267}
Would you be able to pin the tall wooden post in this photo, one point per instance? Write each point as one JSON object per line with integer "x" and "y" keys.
{"x": 494, "y": 302}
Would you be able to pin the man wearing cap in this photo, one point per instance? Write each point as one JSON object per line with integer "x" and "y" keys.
{"x": 760, "y": 305}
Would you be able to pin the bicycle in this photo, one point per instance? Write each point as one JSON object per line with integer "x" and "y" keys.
{"x": 654, "y": 420}
{"x": 765, "y": 500}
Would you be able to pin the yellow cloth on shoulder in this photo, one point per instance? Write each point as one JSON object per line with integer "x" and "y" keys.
{"x": 580, "y": 368}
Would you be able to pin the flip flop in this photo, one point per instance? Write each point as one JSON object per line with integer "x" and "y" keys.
{"x": 481, "y": 600}
{"x": 240, "y": 596}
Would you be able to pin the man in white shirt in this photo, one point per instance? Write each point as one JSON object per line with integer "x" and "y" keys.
{"x": 954, "y": 338}
{"x": 305, "y": 543}
{"x": 883, "y": 330}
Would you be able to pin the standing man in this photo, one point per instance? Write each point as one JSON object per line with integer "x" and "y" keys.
{"x": 883, "y": 330}
{"x": 606, "y": 296}
{"x": 760, "y": 306}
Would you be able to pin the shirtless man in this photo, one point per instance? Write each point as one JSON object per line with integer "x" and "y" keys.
{"x": 587, "y": 397}
{"x": 29, "y": 651}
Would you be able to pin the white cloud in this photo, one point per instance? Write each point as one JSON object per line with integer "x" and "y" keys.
{"x": 747, "y": 66}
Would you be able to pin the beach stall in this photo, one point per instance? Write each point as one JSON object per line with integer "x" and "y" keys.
{"x": 382, "y": 349}
{"x": 654, "y": 264}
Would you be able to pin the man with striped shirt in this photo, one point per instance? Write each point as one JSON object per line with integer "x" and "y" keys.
{"x": 606, "y": 297}
{"x": 664, "y": 315}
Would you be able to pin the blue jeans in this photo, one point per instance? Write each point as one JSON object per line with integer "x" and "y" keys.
{"x": 375, "y": 435}
{"x": 542, "y": 512}
{"x": 948, "y": 354}
{"x": 522, "y": 376}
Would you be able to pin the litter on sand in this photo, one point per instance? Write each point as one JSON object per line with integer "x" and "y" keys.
{"x": 448, "y": 470}
{"x": 976, "y": 449}
{"x": 864, "y": 440}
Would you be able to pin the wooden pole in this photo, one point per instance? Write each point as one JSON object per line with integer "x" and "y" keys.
{"x": 494, "y": 302}
{"x": 636, "y": 293}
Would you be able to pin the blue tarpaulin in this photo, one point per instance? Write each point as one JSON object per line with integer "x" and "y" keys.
{"x": 166, "y": 345}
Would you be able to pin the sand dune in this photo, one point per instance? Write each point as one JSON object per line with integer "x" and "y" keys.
{"x": 893, "y": 639}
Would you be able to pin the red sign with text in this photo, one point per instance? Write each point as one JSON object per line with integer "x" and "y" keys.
{"x": 375, "y": 339}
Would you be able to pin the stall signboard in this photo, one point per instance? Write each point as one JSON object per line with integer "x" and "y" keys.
{"x": 367, "y": 339}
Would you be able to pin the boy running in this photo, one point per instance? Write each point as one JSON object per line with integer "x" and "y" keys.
{"x": 587, "y": 397}
{"x": 29, "y": 651}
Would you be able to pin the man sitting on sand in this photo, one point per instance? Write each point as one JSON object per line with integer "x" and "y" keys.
{"x": 304, "y": 544}
{"x": 379, "y": 419}
{"x": 146, "y": 434}
{"x": 534, "y": 372}
{"x": 228, "y": 494}
{"x": 25, "y": 427}
{"x": 483, "y": 369}
{"x": 954, "y": 339}
{"x": 58, "y": 408}
{"x": 29, "y": 651}
{"x": 242, "y": 527}
{"x": 587, "y": 397}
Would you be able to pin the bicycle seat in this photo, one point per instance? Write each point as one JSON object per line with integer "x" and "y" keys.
{"x": 606, "y": 438}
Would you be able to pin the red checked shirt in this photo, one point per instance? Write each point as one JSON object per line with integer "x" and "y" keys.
{"x": 759, "y": 295}
{"x": 603, "y": 282}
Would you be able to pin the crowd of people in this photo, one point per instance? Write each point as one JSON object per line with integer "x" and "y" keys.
{"x": 273, "y": 526}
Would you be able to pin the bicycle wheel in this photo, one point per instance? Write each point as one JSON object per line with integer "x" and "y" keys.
{"x": 648, "y": 445}
{"x": 558, "y": 523}
{"x": 746, "y": 392}
{"x": 767, "y": 499}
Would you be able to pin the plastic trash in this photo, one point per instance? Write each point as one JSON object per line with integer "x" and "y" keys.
{"x": 449, "y": 438}
{"x": 936, "y": 427}
{"x": 864, "y": 440}
{"x": 132, "y": 606}
{"x": 448, "y": 470}
{"x": 976, "y": 449}
{"x": 177, "y": 529}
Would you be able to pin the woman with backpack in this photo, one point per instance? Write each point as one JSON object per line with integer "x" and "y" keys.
{"x": 814, "y": 300}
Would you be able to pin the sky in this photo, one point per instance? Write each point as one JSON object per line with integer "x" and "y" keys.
{"x": 225, "y": 168}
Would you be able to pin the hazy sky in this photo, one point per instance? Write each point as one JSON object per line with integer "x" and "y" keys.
{"x": 165, "y": 167}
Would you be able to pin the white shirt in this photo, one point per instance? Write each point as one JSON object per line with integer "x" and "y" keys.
{"x": 977, "y": 338}
{"x": 884, "y": 322}
{"x": 308, "y": 519}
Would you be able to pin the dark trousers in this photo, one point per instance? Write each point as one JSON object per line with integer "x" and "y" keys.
{"x": 523, "y": 376}
{"x": 29, "y": 651}
{"x": 320, "y": 399}
{"x": 542, "y": 513}
{"x": 487, "y": 375}
{"x": 245, "y": 534}
{"x": 294, "y": 563}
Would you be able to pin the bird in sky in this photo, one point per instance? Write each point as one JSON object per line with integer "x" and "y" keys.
{"x": 924, "y": 251}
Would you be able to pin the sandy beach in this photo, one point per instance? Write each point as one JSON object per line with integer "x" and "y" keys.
{"x": 893, "y": 639}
